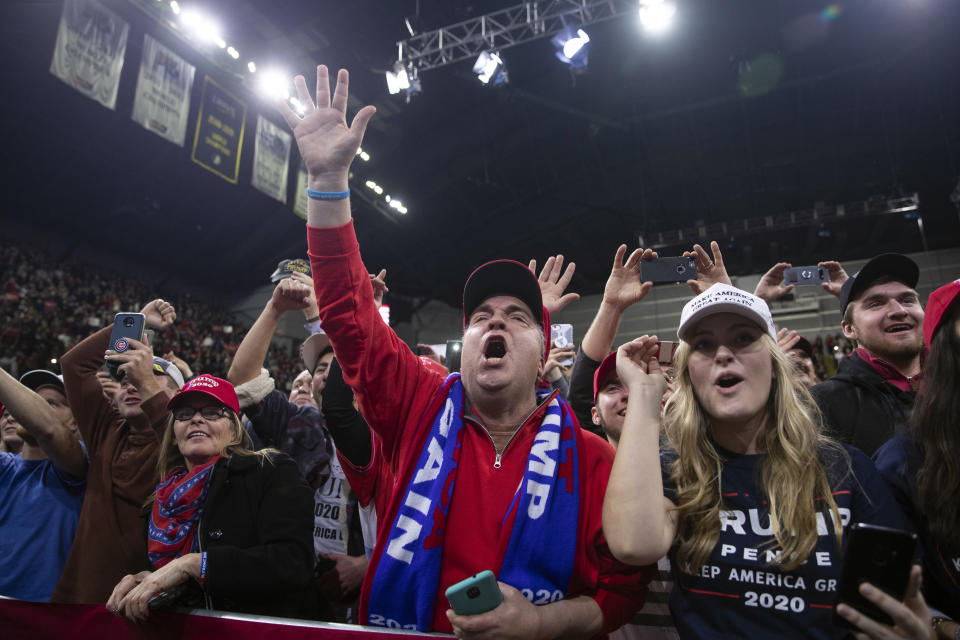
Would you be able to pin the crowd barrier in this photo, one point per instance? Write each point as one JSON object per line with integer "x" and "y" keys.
{"x": 42, "y": 621}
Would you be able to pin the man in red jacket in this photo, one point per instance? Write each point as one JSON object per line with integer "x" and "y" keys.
{"x": 488, "y": 473}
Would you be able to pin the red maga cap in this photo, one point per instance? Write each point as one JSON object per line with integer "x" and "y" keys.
{"x": 217, "y": 388}
{"x": 606, "y": 370}
{"x": 938, "y": 304}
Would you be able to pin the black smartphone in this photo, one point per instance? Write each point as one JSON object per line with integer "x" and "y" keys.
{"x": 881, "y": 556}
{"x": 805, "y": 275}
{"x": 166, "y": 598}
{"x": 126, "y": 326}
{"x": 453, "y": 355}
{"x": 677, "y": 269}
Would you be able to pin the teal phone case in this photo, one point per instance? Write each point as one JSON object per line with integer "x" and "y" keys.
{"x": 477, "y": 594}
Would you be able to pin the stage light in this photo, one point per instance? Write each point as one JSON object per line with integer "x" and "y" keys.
{"x": 363, "y": 154}
{"x": 572, "y": 47}
{"x": 175, "y": 7}
{"x": 274, "y": 84}
{"x": 398, "y": 79}
{"x": 657, "y": 15}
{"x": 202, "y": 27}
{"x": 490, "y": 69}
{"x": 233, "y": 53}
{"x": 252, "y": 66}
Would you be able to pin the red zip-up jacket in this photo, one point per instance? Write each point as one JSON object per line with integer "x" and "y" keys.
{"x": 394, "y": 391}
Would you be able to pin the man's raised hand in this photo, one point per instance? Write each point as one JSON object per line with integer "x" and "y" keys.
{"x": 159, "y": 314}
{"x": 709, "y": 271}
{"x": 837, "y": 277}
{"x": 623, "y": 287}
{"x": 554, "y": 281}
{"x": 327, "y": 145}
{"x": 770, "y": 286}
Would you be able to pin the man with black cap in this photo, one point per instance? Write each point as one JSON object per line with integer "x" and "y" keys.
{"x": 122, "y": 438}
{"x": 488, "y": 474}
{"x": 42, "y": 488}
{"x": 870, "y": 397}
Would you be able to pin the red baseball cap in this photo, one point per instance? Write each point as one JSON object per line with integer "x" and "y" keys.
{"x": 216, "y": 388}
{"x": 606, "y": 370}
{"x": 938, "y": 304}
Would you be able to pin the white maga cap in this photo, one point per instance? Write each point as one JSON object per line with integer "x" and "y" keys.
{"x": 725, "y": 298}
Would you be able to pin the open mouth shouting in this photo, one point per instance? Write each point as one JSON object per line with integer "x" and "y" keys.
{"x": 727, "y": 382}
{"x": 494, "y": 349}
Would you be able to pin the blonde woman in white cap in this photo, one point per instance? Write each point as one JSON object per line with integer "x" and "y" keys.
{"x": 748, "y": 510}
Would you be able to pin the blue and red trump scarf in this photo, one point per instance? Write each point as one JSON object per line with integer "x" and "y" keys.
{"x": 541, "y": 523}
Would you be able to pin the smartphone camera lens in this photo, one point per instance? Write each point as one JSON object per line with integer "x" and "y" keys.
{"x": 473, "y": 592}
{"x": 681, "y": 268}
{"x": 128, "y": 322}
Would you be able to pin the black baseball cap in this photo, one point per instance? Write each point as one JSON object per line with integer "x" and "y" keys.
{"x": 37, "y": 378}
{"x": 894, "y": 266}
{"x": 502, "y": 278}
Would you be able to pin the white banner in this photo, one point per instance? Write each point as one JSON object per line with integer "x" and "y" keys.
{"x": 300, "y": 195}
{"x": 162, "y": 100}
{"x": 88, "y": 54}
{"x": 271, "y": 159}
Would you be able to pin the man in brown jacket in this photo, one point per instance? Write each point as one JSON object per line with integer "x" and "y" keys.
{"x": 122, "y": 439}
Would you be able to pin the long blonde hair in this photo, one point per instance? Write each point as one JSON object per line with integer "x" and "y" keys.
{"x": 793, "y": 473}
{"x": 240, "y": 445}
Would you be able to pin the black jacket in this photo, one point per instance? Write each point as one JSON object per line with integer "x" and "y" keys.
{"x": 860, "y": 407}
{"x": 580, "y": 394}
{"x": 257, "y": 530}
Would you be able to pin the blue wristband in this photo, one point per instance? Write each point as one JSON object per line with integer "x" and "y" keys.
{"x": 203, "y": 567}
{"x": 328, "y": 195}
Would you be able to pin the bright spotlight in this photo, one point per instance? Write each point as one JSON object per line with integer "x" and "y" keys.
{"x": 398, "y": 79}
{"x": 274, "y": 84}
{"x": 202, "y": 27}
{"x": 572, "y": 47}
{"x": 175, "y": 7}
{"x": 657, "y": 15}
{"x": 252, "y": 66}
{"x": 490, "y": 69}
{"x": 233, "y": 53}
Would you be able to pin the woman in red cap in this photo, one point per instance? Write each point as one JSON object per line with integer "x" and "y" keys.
{"x": 923, "y": 466}
{"x": 229, "y": 528}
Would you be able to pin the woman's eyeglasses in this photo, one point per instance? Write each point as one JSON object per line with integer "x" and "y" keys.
{"x": 183, "y": 414}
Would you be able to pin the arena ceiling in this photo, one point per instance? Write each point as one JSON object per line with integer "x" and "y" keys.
{"x": 745, "y": 109}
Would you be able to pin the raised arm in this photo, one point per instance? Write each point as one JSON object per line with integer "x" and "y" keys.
{"x": 638, "y": 521}
{"x": 771, "y": 286}
{"x": 327, "y": 145}
{"x": 36, "y": 416}
{"x": 710, "y": 271}
{"x": 289, "y": 294}
{"x": 623, "y": 289}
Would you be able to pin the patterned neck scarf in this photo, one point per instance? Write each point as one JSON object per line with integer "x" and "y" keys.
{"x": 179, "y": 503}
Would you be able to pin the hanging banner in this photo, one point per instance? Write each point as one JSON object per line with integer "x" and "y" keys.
{"x": 271, "y": 159}
{"x": 300, "y": 195}
{"x": 162, "y": 100}
{"x": 88, "y": 53}
{"x": 219, "y": 136}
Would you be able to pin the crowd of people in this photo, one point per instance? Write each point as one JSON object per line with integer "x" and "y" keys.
{"x": 704, "y": 490}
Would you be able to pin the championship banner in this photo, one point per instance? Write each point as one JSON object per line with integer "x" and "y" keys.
{"x": 219, "y": 135}
{"x": 88, "y": 53}
{"x": 162, "y": 99}
{"x": 271, "y": 159}
{"x": 300, "y": 195}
